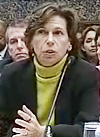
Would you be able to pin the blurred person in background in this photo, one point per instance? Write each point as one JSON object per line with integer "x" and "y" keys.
{"x": 4, "y": 54}
{"x": 97, "y": 39}
{"x": 88, "y": 49}
{"x": 15, "y": 40}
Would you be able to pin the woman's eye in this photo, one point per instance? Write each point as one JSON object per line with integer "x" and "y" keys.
{"x": 88, "y": 40}
{"x": 41, "y": 31}
{"x": 58, "y": 32}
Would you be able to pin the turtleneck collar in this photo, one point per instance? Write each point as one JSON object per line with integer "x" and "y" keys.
{"x": 48, "y": 72}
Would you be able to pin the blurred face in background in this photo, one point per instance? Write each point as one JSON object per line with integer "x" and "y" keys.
{"x": 98, "y": 48}
{"x": 89, "y": 46}
{"x": 16, "y": 45}
{"x": 2, "y": 38}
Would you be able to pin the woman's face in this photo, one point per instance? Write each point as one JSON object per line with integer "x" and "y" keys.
{"x": 89, "y": 46}
{"x": 51, "y": 42}
{"x": 98, "y": 48}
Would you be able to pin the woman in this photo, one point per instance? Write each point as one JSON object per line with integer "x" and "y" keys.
{"x": 97, "y": 39}
{"x": 88, "y": 46}
{"x": 61, "y": 94}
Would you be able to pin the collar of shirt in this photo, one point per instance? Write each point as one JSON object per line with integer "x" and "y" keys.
{"x": 2, "y": 53}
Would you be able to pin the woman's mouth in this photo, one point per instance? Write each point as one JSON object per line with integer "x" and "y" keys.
{"x": 49, "y": 53}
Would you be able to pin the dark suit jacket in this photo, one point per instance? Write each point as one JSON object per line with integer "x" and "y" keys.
{"x": 77, "y": 101}
{"x": 6, "y": 56}
{"x": 6, "y": 60}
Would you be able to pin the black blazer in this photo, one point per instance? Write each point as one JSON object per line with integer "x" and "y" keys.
{"x": 77, "y": 101}
{"x": 6, "y": 60}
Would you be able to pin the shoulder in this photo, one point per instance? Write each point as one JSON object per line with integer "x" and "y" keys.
{"x": 83, "y": 76}
{"x": 15, "y": 68}
{"x": 83, "y": 69}
{"x": 83, "y": 66}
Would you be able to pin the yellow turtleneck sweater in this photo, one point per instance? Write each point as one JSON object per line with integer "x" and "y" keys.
{"x": 47, "y": 79}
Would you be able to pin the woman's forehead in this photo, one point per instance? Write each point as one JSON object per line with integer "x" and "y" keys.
{"x": 56, "y": 21}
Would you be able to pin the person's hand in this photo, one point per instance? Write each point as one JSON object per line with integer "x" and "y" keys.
{"x": 30, "y": 125}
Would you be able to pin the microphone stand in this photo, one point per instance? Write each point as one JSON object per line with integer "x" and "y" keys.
{"x": 47, "y": 132}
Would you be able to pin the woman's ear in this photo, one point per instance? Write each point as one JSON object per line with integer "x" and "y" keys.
{"x": 82, "y": 48}
{"x": 69, "y": 47}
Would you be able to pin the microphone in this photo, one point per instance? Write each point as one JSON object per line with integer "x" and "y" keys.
{"x": 48, "y": 132}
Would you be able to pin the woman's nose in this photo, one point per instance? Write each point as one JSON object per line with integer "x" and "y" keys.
{"x": 93, "y": 43}
{"x": 50, "y": 40}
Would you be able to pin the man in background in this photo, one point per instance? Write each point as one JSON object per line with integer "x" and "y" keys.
{"x": 15, "y": 40}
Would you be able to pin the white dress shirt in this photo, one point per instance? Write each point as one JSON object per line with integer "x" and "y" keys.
{"x": 2, "y": 53}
